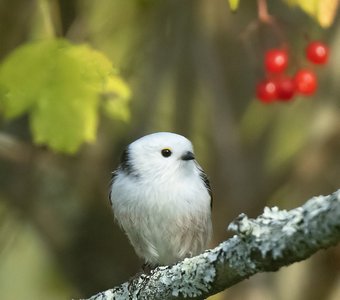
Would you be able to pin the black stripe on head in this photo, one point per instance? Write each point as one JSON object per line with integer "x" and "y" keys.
{"x": 125, "y": 167}
{"x": 205, "y": 179}
{"x": 125, "y": 162}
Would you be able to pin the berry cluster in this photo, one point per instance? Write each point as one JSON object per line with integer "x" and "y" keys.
{"x": 280, "y": 86}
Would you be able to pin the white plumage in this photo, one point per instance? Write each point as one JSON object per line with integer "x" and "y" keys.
{"x": 162, "y": 199}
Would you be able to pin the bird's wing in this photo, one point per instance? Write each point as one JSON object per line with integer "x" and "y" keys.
{"x": 205, "y": 179}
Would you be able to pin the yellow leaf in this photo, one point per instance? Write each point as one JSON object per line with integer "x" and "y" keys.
{"x": 323, "y": 11}
{"x": 234, "y": 4}
{"x": 327, "y": 11}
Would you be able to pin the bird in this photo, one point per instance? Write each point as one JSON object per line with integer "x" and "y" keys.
{"x": 162, "y": 199}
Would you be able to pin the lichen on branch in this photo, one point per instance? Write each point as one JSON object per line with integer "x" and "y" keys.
{"x": 274, "y": 239}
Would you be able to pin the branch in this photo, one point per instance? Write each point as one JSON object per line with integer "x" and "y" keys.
{"x": 274, "y": 239}
{"x": 14, "y": 149}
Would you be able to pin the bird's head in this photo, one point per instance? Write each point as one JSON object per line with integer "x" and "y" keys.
{"x": 159, "y": 154}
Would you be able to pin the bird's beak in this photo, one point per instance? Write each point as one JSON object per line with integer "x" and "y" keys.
{"x": 188, "y": 156}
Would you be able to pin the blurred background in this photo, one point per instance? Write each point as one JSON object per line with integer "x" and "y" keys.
{"x": 192, "y": 67}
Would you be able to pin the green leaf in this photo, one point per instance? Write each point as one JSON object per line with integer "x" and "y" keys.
{"x": 59, "y": 85}
{"x": 234, "y": 4}
{"x": 23, "y": 73}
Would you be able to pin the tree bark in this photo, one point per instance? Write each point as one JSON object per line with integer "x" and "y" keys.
{"x": 274, "y": 239}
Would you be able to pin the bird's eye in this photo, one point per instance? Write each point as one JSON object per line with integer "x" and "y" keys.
{"x": 166, "y": 152}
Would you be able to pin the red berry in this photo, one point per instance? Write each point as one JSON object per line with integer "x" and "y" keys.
{"x": 305, "y": 82}
{"x": 276, "y": 60}
{"x": 266, "y": 91}
{"x": 317, "y": 52}
{"x": 285, "y": 88}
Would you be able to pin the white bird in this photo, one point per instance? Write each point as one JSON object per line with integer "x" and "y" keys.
{"x": 162, "y": 199}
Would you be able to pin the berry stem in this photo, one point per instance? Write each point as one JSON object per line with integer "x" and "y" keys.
{"x": 266, "y": 18}
{"x": 262, "y": 10}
